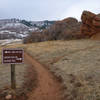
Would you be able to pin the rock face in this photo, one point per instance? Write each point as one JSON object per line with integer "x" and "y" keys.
{"x": 90, "y": 24}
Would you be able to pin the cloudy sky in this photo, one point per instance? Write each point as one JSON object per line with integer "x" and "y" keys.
{"x": 46, "y": 9}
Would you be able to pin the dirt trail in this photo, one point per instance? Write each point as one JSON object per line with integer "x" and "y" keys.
{"x": 48, "y": 87}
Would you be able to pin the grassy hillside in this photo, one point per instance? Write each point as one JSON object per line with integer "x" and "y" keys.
{"x": 75, "y": 62}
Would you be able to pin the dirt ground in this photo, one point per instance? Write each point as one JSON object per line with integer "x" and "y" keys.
{"x": 48, "y": 88}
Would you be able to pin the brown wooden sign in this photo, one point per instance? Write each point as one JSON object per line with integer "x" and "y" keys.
{"x": 12, "y": 56}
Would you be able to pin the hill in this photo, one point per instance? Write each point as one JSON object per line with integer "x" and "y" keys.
{"x": 75, "y": 63}
{"x": 19, "y": 29}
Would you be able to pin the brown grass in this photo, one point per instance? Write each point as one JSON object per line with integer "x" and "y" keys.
{"x": 76, "y": 62}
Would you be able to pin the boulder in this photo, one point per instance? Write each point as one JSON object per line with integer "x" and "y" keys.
{"x": 90, "y": 24}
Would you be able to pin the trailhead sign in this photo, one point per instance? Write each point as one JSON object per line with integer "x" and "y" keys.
{"x": 12, "y": 56}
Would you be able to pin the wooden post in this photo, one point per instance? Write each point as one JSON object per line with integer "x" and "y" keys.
{"x": 13, "y": 77}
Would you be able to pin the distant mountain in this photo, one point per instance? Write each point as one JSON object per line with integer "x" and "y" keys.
{"x": 42, "y": 24}
{"x": 15, "y": 28}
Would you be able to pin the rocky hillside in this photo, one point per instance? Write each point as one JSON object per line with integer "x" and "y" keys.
{"x": 91, "y": 25}
{"x": 66, "y": 29}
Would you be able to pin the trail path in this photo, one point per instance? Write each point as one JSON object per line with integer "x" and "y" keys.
{"x": 48, "y": 88}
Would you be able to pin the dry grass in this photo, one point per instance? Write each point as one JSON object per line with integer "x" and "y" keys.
{"x": 77, "y": 62}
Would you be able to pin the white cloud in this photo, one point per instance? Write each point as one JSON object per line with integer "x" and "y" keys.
{"x": 46, "y": 9}
{"x": 76, "y": 9}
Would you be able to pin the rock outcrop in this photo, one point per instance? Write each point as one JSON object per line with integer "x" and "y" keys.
{"x": 90, "y": 25}
{"x": 66, "y": 29}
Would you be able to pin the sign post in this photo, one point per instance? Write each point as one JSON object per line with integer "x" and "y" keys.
{"x": 13, "y": 56}
{"x": 13, "y": 77}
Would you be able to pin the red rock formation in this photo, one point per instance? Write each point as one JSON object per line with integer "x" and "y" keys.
{"x": 90, "y": 24}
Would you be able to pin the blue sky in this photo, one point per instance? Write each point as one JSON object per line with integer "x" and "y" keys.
{"x": 46, "y": 9}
